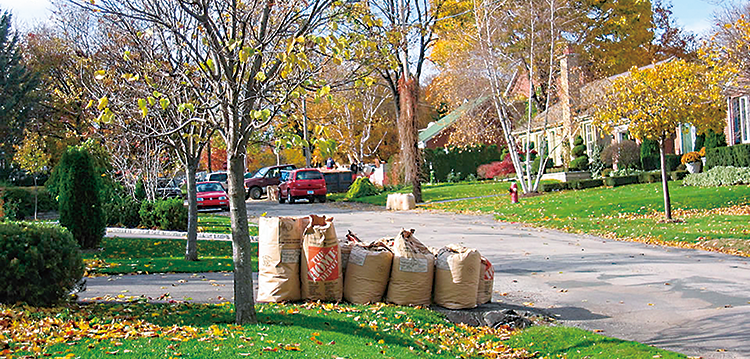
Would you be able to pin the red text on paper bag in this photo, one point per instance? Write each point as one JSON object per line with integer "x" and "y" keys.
{"x": 322, "y": 264}
{"x": 489, "y": 271}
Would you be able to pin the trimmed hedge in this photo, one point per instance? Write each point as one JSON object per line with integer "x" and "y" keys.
{"x": 734, "y": 156}
{"x": 553, "y": 186}
{"x": 587, "y": 183}
{"x": 166, "y": 214}
{"x": 678, "y": 175}
{"x": 463, "y": 160}
{"x": 41, "y": 263}
{"x": 122, "y": 211}
{"x": 649, "y": 177}
{"x": 621, "y": 181}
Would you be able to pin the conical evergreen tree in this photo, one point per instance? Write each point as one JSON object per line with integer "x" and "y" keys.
{"x": 17, "y": 84}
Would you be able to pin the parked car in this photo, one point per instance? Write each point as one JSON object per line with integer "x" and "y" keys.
{"x": 211, "y": 195}
{"x": 168, "y": 188}
{"x": 255, "y": 186}
{"x": 220, "y": 176}
{"x": 306, "y": 183}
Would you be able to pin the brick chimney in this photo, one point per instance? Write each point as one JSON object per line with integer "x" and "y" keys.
{"x": 570, "y": 83}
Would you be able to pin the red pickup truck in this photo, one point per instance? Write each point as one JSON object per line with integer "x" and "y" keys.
{"x": 255, "y": 186}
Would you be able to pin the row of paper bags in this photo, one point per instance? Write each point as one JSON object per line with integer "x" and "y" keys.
{"x": 301, "y": 258}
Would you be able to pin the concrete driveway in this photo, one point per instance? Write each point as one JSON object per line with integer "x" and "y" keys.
{"x": 692, "y": 302}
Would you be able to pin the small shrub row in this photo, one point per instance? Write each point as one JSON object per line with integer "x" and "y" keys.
{"x": 652, "y": 163}
{"x": 122, "y": 211}
{"x": 167, "y": 214}
{"x": 734, "y": 156}
{"x": 621, "y": 181}
{"x": 443, "y": 161}
{"x": 41, "y": 263}
{"x": 719, "y": 176}
{"x": 645, "y": 177}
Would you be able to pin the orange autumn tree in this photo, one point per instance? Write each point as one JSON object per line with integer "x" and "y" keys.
{"x": 654, "y": 101}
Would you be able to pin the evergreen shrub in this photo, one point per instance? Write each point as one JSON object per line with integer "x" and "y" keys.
{"x": 41, "y": 263}
{"x": 122, "y": 211}
{"x": 734, "y": 156}
{"x": 580, "y": 160}
{"x": 171, "y": 214}
{"x": 80, "y": 207}
{"x": 621, "y": 181}
{"x": 459, "y": 159}
{"x": 165, "y": 214}
{"x": 362, "y": 187}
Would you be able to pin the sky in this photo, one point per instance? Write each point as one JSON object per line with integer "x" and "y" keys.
{"x": 693, "y": 15}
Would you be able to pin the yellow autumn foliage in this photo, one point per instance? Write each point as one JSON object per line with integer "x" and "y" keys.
{"x": 653, "y": 101}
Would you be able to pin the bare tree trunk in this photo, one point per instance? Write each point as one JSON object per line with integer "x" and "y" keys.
{"x": 531, "y": 96}
{"x": 544, "y": 155}
{"x": 664, "y": 182}
{"x": 191, "y": 247}
{"x": 244, "y": 298}
{"x": 407, "y": 133}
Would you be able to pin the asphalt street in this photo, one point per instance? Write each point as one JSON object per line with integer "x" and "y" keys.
{"x": 693, "y": 302}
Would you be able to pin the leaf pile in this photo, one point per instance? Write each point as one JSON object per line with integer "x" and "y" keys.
{"x": 316, "y": 329}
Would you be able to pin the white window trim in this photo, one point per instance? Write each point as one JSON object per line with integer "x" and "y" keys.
{"x": 744, "y": 104}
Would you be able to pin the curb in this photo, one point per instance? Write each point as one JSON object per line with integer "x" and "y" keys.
{"x": 173, "y": 234}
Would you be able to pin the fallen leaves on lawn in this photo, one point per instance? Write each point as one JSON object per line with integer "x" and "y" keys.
{"x": 31, "y": 329}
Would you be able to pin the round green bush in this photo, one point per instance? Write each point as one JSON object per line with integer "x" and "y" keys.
{"x": 165, "y": 214}
{"x": 171, "y": 214}
{"x": 39, "y": 264}
{"x": 580, "y": 160}
{"x": 80, "y": 206}
{"x": 362, "y": 187}
{"x": 123, "y": 211}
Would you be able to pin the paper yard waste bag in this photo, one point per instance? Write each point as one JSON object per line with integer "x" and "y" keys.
{"x": 486, "y": 282}
{"x": 346, "y": 245}
{"x": 400, "y": 202}
{"x": 279, "y": 243}
{"x": 457, "y": 277}
{"x": 367, "y": 273}
{"x": 321, "y": 275}
{"x": 412, "y": 271}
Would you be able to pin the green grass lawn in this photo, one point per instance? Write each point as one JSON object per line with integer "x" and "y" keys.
{"x": 439, "y": 192}
{"x": 144, "y": 255}
{"x": 312, "y": 330}
{"x": 625, "y": 212}
{"x": 574, "y": 343}
{"x": 211, "y": 223}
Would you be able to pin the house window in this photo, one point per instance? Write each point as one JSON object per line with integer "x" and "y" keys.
{"x": 744, "y": 125}
{"x": 735, "y": 124}
{"x": 588, "y": 138}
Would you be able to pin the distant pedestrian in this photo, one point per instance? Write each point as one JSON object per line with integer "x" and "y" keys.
{"x": 330, "y": 163}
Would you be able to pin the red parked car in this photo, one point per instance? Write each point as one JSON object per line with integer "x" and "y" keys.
{"x": 211, "y": 195}
{"x": 302, "y": 183}
{"x": 255, "y": 186}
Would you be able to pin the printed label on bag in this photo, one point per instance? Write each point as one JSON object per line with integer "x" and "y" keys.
{"x": 290, "y": 256}
{"x": 489, "y": 271}
{"x": 442, "y": 261}
{"x": 358, "y": 256}
{"x": 414, "y": 265}
{"x": 322, "y": 263}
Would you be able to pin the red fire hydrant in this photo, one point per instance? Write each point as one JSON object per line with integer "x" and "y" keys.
{"x": 513, "y": 193}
